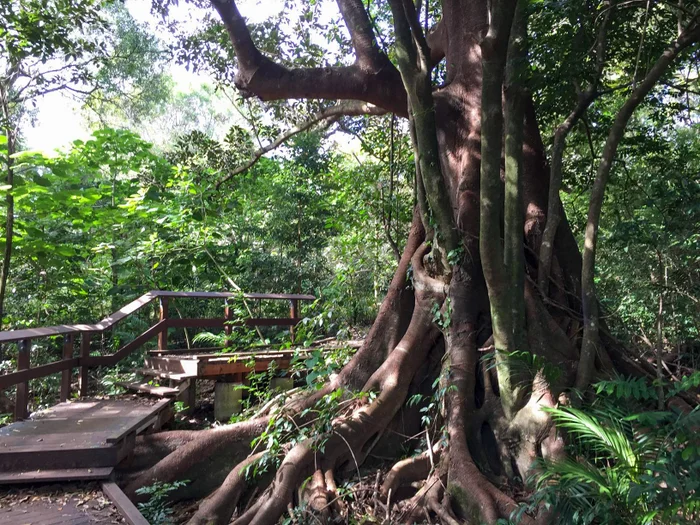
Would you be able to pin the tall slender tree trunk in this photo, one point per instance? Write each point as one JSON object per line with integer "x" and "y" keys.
{"x": 9, "y": 199}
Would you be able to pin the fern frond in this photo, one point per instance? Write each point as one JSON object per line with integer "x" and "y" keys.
{"x": 627, "y": 388}
{"x": 598, "y": 436}
{"x": 208, "y": 337}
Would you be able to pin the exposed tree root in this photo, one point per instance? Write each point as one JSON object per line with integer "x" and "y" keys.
{"x": 409, "y": 470}
{"x": 467, "y": 474}
{"x": 219, "y": 507}
{"x": 209, "y": 442}
{"x": 151, "y": 448}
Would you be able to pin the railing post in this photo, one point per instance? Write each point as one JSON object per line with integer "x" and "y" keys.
{"x": 84, "y": 352}
{"x": 22, "y": 395}
{"x": 293, "y": 313}
{"x": 66, "y": 375}
{"x": 163, "y": 335}
{"x": 228, "y": 329}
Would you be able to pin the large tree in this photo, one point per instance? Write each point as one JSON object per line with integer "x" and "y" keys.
{"x": 481, "y": 307}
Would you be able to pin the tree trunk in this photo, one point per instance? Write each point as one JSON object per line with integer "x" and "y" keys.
{"x": 9, "y": 200}
{"x": 468, "y": 296}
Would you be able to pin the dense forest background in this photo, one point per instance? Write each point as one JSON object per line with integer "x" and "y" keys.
{"x": 138, "y": 206}
{"x": 164, "y": 194}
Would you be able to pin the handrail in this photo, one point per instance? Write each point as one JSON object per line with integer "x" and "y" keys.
{"x": 159, "y": 329}
{"x": 10, "y": 336}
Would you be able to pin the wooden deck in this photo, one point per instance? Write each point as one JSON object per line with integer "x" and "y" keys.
{"x": 78, "y": 440}
{"x": 211, "y": 366}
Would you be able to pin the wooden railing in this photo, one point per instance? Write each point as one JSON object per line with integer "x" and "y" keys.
{"x": 85, "y": 361}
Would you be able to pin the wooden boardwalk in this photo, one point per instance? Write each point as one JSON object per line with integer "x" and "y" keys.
{"x": 44, "y": 513}
{"x": 54, "y": 504}
{"x": 77, "y": 440}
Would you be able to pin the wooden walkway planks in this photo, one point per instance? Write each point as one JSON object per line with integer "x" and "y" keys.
{"x": 78, "y": 435}
{"x": 65, "y": 504}
{"x": 41, "y": 513}
{"x": 124, "y": 505}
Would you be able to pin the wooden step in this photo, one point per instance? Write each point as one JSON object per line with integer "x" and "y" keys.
{"x": 52, "y": 454}
{"x": 145, "y": 388}
{"x": 173, "y": 365}
{"x": 163, "y": 374}
{"x": 77, "y": 435}
{"x": 46, "y": 476}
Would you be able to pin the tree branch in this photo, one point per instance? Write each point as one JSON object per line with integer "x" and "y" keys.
{"x": 554, "y": 208}
{"x": 437, "y": 42}
{"x": 325, "y": 118}
{"x": 258, "y": 75}
{"x": 586, "y": 367}
{"x": 362, "y": 35}
{"x": 415, "y": 73}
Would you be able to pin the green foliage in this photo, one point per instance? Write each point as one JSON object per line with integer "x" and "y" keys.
{"x": 442, "y": 315}
{"x": 627, "y": 464}
{"x": 525, "y": 364}
{"x": 639, "y": 388}
{"x": 45, "y": 30}
{"x": 113, "y": 381}
{"x": 318, "y": 365}
{"x": 131, "y": 85}
{"x": 157, "y": 510}
{"x": 179, "y": 407}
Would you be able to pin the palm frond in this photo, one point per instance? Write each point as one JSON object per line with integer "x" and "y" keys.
{"x": 596, "y": 434}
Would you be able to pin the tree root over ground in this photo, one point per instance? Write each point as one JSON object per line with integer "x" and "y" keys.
{"x": 472, "y": 452}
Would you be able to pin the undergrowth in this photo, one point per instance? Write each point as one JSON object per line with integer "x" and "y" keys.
{"x": 627, "y": 463}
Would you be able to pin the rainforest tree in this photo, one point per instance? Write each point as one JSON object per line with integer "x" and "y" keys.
{"x": 491, "y": 275}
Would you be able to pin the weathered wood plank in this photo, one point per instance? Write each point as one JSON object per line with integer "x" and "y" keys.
{"x": 110, "y": 360}
{"x": 144, "y": 413}
{"x": 22, "y": 394}
{"x": 67, "y": 374}
{"x": 75, "y": 435}
{"x": 216, "y": 368}
{"x": 84, "y": 369}
{"x": 222, "y": 323}
{"x": 124, "y": 505}
{"x": 107, "y": 322}
{"x": 145, "y": 388}
{"x": 45, "y": 476}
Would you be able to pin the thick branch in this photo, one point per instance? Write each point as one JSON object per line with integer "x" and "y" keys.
{"x": 514, "y": 215}
{"x": 325, "y": 117}
{"x": 437, "y": 42}
{"x": 411, "y": 52}
{"x": 493, "y": 58}
{"x": 258, "y": 75}
{"x": 362, "y": 35}
{"x": 590, "y": 304}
